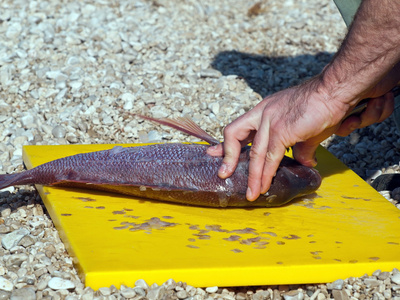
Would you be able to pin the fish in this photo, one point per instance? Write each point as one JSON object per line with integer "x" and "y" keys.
{"x": 181, "y": 173}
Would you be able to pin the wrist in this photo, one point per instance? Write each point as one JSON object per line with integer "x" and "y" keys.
{"x": 340, "y": 85}
{"x": 332, "y": 95}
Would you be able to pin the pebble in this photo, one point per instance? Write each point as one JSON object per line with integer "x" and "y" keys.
{"x": 5, "y": 229}
{"x": 12, "y": 239}
{"x": 43, "y": 282}
{"x": 260, "y": 295}
{"x": 291, "y": 295}
{"x": 24, "y": 293}
{"x": 170, "y": 284}
{"x": 5, "y": 212}
{"x": 340, "y": 295}
{"x": 396, "y": 278}
{"x": 14, "y": 29}
{"x": 181, "y": 294}
{"x": 212, "y": 289}
{"x": 156, "y": 293}
{"x": 159, "y": 112}
{"x": 370, "y": 282}
{"x": 349, "y": 158}
{"x": 58, "y": 131}
{"x": 107, "y": 120}
{"x": 212, "y": 73}
{"x": 141, "y": 284}
{"x": 128, "y": 293}
{"x": 57, "y": 283}
{"x": 16, "y": 260}
{"x": 4, "y": 295}
{"x": 105, "y": 291}
{"x": 383, "y": 275}
{"x": 154, "y": 136}
{"x": 128, "y": 99}
{"x": 26, "y": 241}
{"x": 139, "y": 291}
{"x": 215, "y": 108}
{"x": 5, "y": 284}
{"x": 395, "y": 194}
{"x": 27, "y": 120}
{"x": 338, "y": 284}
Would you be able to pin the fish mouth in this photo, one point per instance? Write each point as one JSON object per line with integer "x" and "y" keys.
{"x": 293, "y": 180}
{"x": 304, "y": 180}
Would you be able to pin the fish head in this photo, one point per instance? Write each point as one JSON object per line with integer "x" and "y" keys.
{"x": 292, "y": 180}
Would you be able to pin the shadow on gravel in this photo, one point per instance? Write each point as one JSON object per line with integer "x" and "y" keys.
{"x": 266, "y": 75}
{"x": 19, "y": 198}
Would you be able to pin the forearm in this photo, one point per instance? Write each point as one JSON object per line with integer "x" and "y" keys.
{"x": 370, "y": 50}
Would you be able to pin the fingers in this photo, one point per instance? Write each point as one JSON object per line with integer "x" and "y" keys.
{"x": 230, "y": 161}
{"x": 216, "y": 150}
{"x": 378, "y": 109}
{"x": 304, "y": 153}
{"x": 388, "y": 106}
{"x": 236, "y": 136}
{"x": 265, "y": 156}
{"x": 258, "y": 153}
{"x": 349, "y": 125}
{"x": 271, "y": 164}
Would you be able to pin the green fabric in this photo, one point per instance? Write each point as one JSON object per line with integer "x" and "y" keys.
{"x": 347, "y": 9}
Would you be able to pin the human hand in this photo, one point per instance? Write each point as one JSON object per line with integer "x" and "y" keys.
{"x": 276, "y": 123}
{"x": 299, "y": 117}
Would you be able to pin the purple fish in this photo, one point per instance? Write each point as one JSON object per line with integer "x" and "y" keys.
{"x": 180, "y": 173}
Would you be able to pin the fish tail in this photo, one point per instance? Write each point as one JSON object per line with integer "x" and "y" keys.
{"x": 7, "y": 180}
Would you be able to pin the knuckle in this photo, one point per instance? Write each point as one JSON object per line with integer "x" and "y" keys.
{"x": 269, "y": 156}
{"x": 255, "y": 153}
{"x": 229, "y": 130}
{"x": 229, "y": 149}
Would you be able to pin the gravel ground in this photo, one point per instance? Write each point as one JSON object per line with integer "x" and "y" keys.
{"x": 69, "y": 71}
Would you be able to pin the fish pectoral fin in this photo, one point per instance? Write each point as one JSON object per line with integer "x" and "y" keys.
{"x": 185, "y": 125}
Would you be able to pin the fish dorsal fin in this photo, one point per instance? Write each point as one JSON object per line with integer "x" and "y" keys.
{"x": 185, "y": 125}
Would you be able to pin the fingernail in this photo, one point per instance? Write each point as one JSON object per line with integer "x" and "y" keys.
{"x": 315, "y": 161}
{"x": 223, "y": 169}
{"x": 249, "y": 194}
{"x": 211, "y": 149}
{"x": 353, "y": 127}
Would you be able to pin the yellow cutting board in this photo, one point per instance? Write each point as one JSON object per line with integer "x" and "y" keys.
{"x": 345, "y": 229}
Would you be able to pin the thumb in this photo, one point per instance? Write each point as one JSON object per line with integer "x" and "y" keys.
{"x": 304, "y": 153}
{"x": 216, "y": 150}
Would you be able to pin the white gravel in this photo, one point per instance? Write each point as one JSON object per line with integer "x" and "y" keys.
{"x": 69, "y": 71}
